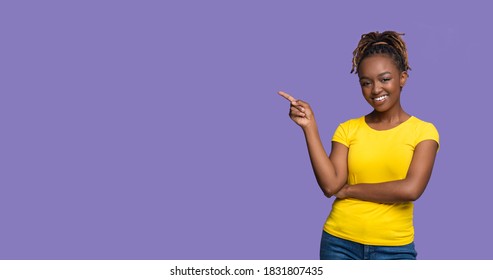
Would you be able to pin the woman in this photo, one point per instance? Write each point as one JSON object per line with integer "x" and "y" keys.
{"x": 379, "y": 163}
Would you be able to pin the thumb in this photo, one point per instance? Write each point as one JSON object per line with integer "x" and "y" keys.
{"x": 303, "y": 103}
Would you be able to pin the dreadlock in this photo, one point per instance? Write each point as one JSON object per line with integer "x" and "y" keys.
{"x": 387, "y": 42}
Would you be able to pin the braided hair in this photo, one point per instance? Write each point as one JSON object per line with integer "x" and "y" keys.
{"x": 388, "y": 42}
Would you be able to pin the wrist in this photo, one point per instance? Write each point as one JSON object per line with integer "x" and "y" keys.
{"x": 347, "y": 190}
{"x": 310, "y": 128}
{"x": 350, "y": 190}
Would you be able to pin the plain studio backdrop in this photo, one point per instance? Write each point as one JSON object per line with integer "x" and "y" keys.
{"x": 153, "y": 130}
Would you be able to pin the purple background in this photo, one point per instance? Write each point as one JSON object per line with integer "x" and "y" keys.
{"x": 152, "y": 129}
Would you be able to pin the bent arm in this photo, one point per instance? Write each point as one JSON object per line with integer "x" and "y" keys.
{"x": 408, "y": 189}
{"x": 330, "y": 172}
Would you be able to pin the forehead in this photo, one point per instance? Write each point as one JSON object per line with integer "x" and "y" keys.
{"x": 376, "y": 64}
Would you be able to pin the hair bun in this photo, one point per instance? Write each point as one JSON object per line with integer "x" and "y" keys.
{"x": 374, "y": 43}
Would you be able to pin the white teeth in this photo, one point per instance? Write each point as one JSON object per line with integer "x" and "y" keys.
{"x": 380, "y": 98}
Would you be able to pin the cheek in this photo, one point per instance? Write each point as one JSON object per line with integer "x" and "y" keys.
{"x": 366, "y": 93}
{"x": 365, "y": 90}
{"x": 394, "y": 87}
{"x": 398, "y": 87}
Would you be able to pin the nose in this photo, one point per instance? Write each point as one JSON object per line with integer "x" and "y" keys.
{"x": 376, "y": 89}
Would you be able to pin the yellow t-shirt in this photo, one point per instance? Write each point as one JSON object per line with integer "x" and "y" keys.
{"x": 377, "y": 156}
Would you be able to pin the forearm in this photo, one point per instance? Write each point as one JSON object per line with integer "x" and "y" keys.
{"x": 388, "y": 192}
{"x": 323, "y": 168}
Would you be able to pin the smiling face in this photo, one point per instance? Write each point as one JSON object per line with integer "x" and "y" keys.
{"x": 381, "y": 82}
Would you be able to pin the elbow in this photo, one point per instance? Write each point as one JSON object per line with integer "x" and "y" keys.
{"x": 413, "y": 197}
{"x": 328, "y": 194}
{"x": 327, "y": 191}
{"x": 330, "y": 190}
{"x": 412, "y": 194}
{"x": 331, "y": 187}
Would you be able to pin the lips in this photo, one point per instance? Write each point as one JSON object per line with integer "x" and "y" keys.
{"x": 380, "y": 98}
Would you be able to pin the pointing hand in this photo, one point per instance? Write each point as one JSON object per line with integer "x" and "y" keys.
{"x": 300, "y": 111}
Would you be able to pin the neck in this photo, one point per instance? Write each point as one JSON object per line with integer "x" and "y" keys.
{"x": 395, "y": 116}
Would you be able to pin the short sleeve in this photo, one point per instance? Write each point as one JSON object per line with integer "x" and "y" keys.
{"x": 428, "y": 132}
{"x": 341, "y": 134}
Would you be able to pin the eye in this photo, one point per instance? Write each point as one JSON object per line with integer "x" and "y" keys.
{"x": 385, "y": 80}
{"x": 365, "y": 83}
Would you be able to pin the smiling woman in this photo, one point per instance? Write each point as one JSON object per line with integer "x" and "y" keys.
{"x": 381, "y": 84}
{"x": 379, "y": 163}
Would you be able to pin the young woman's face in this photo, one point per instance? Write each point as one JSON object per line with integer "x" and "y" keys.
{"x": 381, "y": 82}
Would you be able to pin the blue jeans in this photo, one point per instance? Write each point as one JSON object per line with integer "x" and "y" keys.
{"x": 335, "y": 248}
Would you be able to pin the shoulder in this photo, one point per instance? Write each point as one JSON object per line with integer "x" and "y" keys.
{"x": 424, "y": 130}
{"x": 349, "y": 128}
{"x": 420, "y": 124}
{"x": 353, "y": 123}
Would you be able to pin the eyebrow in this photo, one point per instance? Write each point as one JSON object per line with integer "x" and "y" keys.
{"x": 379, "y": 75}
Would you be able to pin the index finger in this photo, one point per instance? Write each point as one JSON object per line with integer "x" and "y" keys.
{"x": 287, "y": 96}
